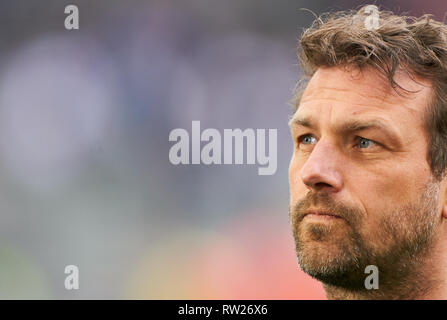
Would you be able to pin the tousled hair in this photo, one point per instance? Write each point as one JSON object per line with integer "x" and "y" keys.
{"x": 418, "y": 46}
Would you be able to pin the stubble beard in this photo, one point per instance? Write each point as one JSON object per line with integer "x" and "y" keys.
{"x": 337, "y": 253}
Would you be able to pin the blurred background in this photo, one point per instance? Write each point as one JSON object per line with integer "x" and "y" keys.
{"x": 85, "y": 177}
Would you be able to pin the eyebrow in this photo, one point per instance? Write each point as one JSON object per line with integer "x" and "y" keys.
{"x": 350, "y": 126}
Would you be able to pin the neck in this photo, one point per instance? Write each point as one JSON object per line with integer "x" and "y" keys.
{"x": 422, "y": 279}
{"x": 404, "y": 292}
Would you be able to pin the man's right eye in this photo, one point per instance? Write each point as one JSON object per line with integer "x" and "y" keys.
{"x": 306, "y": 139}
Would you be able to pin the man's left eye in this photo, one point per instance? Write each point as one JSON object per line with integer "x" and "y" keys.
{"x": 364, "y": 143}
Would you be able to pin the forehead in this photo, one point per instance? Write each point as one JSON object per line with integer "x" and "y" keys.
{"x": 364, "y": 92}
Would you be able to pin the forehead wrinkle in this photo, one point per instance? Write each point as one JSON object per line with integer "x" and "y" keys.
{"x": 362, "y": 115}
{"x": 323, "y": 83}
{"x": 325, "y": 93}
{"x": 369, "y": 101}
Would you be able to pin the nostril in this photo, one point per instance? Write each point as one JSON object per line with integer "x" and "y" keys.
{"x": 321, "y": 185}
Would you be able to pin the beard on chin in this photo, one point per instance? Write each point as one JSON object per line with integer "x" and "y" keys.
{"x": 338, "y": 252}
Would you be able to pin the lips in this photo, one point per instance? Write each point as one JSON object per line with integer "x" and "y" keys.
{"x": 322, "y": 214}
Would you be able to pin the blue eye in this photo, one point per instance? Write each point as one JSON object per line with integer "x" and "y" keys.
{"x": 365, "y": 143}
{"x": 307, "y": 139}
{"x": 362, "y": 143}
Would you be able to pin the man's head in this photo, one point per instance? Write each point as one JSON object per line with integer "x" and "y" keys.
{"x": 370, "y": 137}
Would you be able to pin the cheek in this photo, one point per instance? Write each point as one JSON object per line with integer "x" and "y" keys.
{"x": 403, "y": 182}
{"x": 384, "y": 191}
{"x": 296, "y": 186}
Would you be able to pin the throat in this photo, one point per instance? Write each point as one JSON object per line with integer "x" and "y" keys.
{"x": 419, "y": 279}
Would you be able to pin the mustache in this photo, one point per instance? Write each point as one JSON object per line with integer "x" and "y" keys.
{"x": 324, "y": 202}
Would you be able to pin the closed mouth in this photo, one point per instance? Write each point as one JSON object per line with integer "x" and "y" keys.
{"x": 322, "y": 214}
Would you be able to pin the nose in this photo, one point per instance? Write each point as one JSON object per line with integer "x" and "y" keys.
{"x": 322, "y": 170}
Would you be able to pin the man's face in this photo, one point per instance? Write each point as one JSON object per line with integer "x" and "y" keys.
{"x": 361, "y": 156}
